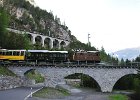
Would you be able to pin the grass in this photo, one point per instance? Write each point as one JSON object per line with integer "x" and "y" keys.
{"x": 36, "y": 76}
{"x": 51, "y": 93}
{"x": 118, "y": 97}
{"x": 6, "y": 72}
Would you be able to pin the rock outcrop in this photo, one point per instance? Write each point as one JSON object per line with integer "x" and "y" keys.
{"x": 24, "y": 16}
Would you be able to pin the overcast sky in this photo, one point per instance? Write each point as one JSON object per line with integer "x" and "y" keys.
{"x": 113, "y": 24}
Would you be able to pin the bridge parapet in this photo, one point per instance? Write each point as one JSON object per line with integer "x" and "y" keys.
{"x": 71, "y": 66}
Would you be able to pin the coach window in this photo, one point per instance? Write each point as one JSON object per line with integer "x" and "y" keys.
{"x": 60, "y": 55}
{"x": 14, "y": 53}
{"x": 54, "y": 55}
{"x": 18, "y": 53}
{"x": 9, "y": 53}
{"x": 22, "y": 53}
{"x": 4, "y": 53}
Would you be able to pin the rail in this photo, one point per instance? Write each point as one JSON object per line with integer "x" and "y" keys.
{"x": 69, "y": 65}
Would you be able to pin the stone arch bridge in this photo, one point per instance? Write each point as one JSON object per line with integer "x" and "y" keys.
{"x": 48, "y": 41}
{"x": 106, "y": 77}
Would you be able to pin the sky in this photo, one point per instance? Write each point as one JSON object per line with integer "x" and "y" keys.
{"x": 112, "y": 24}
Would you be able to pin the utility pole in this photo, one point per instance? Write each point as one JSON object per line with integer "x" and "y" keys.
{"x": 88, "y": 39}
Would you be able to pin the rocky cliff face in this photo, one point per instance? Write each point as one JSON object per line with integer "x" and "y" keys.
{"x": 24, "y": 16}
{"x": 32, "y": 2}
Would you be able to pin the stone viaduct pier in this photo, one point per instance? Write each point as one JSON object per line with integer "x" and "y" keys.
{"x": 106, "y": 77}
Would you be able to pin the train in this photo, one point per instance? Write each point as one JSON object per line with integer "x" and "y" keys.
{"x": 47, "y": 56}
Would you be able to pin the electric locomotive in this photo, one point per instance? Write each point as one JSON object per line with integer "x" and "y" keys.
{"x": 85, "y": 56}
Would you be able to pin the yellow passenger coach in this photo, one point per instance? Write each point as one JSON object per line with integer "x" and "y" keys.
{"x": 13, "y": 55}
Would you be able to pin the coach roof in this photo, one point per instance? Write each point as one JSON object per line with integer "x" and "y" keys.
{"x": 47, "y": 51}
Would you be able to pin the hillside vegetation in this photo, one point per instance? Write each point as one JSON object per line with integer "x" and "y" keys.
{"x": 6, "y": 72}
{"x": 24, "y": 16}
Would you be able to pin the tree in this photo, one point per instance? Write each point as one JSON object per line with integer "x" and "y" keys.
{"x": 77, "y": 45}
{"x": 137, "y": 85}
{"x": 103, "y": 55}
{"x": 122, "y": 62}
{"x": 17, "y": 41}
{"x": 3, "y": 26}
{"x": 137, "y": 59}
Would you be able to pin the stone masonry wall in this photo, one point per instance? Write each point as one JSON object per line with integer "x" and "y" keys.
{"x": 9, "y": 82}
{"x": 105, "y": 77}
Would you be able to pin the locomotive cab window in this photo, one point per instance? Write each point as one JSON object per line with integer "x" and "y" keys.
{"x": 81, "y": 54}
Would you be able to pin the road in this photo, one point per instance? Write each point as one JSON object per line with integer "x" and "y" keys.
{"x": 17, "y": 93}
{"x": 82, "y": 94}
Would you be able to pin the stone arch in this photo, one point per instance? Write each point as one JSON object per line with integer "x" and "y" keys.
{"x": 55, "y": 43}
{"x": 82, "y": 72}
{"x": 28, "y": 70}
{"x": 30, "y": 37}
{"x": 47, "y": 43}
{"x": 35, "y": 74}
{"x": 19, "y": 71}
{"x": 38, "y": 39}
{"x": 122, "y": 78}
{"x": 62, "y": 44}
{"x": 93, "y": 79}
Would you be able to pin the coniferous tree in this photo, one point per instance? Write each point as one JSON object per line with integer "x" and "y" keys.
{"x": 3, "y": 26}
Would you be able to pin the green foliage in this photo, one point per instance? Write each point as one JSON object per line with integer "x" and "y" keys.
{"x": 50, "y": 93}
{"x": 38, "y": 46}
{"x": 17, "y": 41}
{"x": 34, "y": 21}
{"x": 127, "y": 82}
{"x": 32, "y": 74}
{"x": 6, "y": 72}
{"x": 103, "y": 55}
{"x": 137, "y": 59}
{"x": 118, "y": 97}
{"x": 122, "y": 62}
{"x": 108, "y": 58}
{"x": 11, "y": 40}
{"x": 137, "y": 85}
{"x": 3, "y": 25}
{"x": 86, "y": 81}
{"x": 77, "y": 45}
